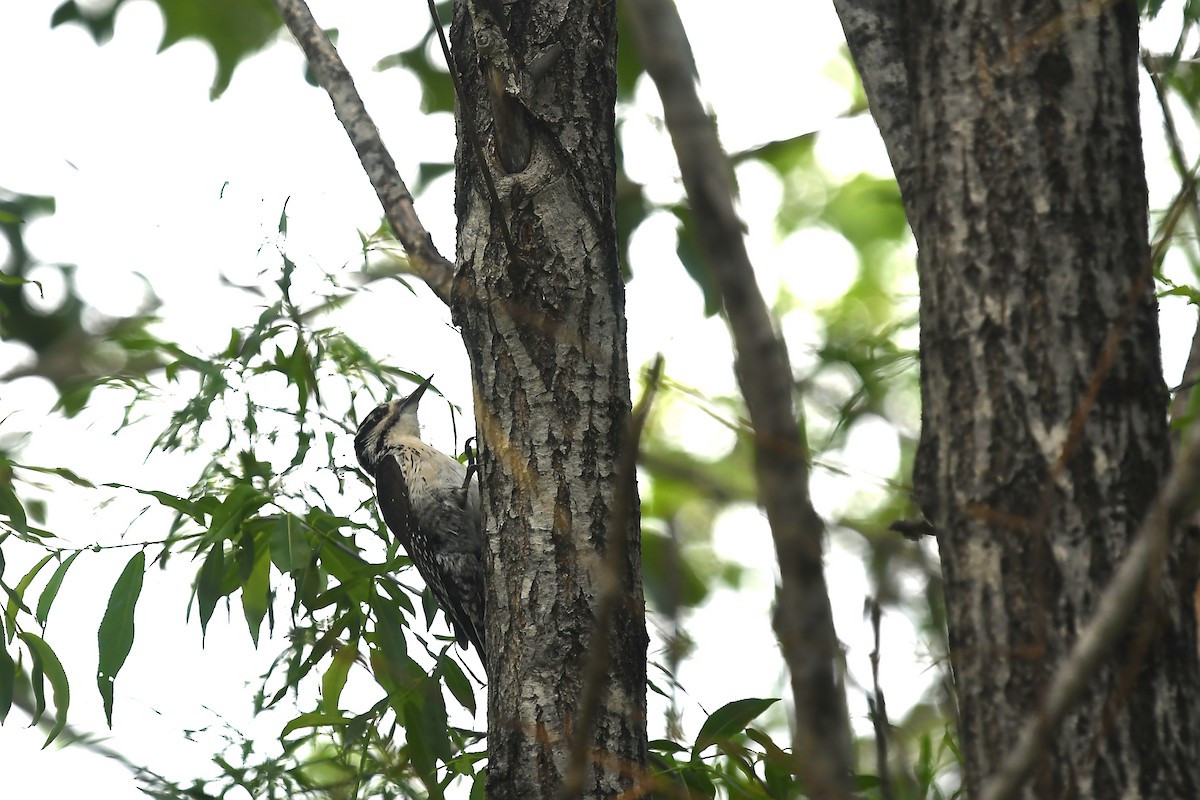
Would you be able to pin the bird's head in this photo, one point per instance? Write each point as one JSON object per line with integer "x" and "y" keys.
{"x": 386, "y": 423}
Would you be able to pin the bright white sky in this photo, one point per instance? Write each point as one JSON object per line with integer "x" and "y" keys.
{"x": 152, "y": 178}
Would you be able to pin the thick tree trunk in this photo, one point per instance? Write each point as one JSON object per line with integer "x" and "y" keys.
{"x": 545, "y": 330}
{"x": 1044, "y": 435}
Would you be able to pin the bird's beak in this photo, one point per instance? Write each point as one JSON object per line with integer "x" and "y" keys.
{"x": 413, "y": 399}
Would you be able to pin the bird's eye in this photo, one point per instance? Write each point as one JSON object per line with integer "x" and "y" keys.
{"x": 374, "y": 418}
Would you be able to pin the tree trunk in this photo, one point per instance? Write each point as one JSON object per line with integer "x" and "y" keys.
{"x": 1044, "y": 433}
{"x": 544, "y": 324}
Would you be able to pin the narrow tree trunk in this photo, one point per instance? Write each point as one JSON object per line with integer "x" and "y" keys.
{"x": 545, "y": 330}
{"x": 1044, "y": 436}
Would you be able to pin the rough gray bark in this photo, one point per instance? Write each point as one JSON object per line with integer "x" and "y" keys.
{"x": 545, "y": 330}
{"x": 1044, "y": 436}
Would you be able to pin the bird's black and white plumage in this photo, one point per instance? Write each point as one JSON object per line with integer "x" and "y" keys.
{"x": 427, "y": 504}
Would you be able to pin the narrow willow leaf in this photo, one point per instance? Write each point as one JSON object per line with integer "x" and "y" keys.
{"x": 313, "y": 719}
{"x": 8, "y": 682}
{"x": 116, "y": 629}
{"x": 242, "y": 501}
{"x": 389, "y": 631}
{"x": 46, "y": 663}
{"x": 255, "y": 589}
{"x": 729, "y": 720}
{"x": 290, "y": 550}
{"x": 419, "y": 751}
{"x": 457, "y": 682}
{"x": 334, "y": 679}
{"x": 182, "y": 505}
{"x": 209, "y": 585}
{"x": 479, "y": 786}
{"x": 16, "y": 598}
{"x": 436, "y": 727}
{"x": 10, "y": 506}
{"x": 61, "y": 472}
{"x": 52, "y": 587}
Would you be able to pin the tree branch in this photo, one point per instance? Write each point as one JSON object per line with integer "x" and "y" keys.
{"x": 1123, "y": 597}
{"x": 803, "y": 620}
{"x": 426, "y": 262}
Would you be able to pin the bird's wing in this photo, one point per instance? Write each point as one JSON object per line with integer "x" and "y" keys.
{"x": 394, "y": 504}
{"x": 458, "y": 552}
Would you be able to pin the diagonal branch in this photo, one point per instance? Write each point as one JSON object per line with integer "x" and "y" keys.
{"x": 803, "y": 620}
{"x": 425, "y": 261}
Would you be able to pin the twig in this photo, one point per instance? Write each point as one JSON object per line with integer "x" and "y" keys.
{"x": 426, "y": 262}
{"x": 803, "y": 619}
{"x": 1121, "y": 599}
{"x": 878, "y": 708}
{"x": 612, "y": 590}
{"x": 1191, "y": 371}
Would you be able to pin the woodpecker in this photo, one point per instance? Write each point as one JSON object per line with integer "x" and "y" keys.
{"x": 427, "y": 502}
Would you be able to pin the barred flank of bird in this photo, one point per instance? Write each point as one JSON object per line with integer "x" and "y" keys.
{"x": 430, "y": 507}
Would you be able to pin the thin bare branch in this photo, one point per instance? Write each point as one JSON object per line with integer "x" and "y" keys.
{"x": 426, "y": 262}
{"x": 612, "y": 590}
{"x": 1191, "y": 372}
{"x": 877, "y": 706}
{"x": 803, "y": 620}
{"x": 1123, "y": 597}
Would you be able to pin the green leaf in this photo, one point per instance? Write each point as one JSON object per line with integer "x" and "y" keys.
{"x": 290, "y": 550}
{"x": 10, "y": 506}
{"x": 457, "y": 682}
{"x": 479, "y": 786}
{"x": 256, "y": 587}
{"x": 693, "y": 258}
{"x": 46, "y": 663}
{"x": 729, "y": 720}
{"x": 52, "y": 587}
{"x": 313, "y": 719}
{"x": 234, "y": 29}
{"x": 61, "y": 472}
{"x": 210, "y": 585}
{"x": 243, "y": 501}
{"x": 773, "y": 753}
{"x": 16, "y": 598}
{"x": 334, "y": 679}
{"x": 8, "y": 682}
{"x": 116, "y": 628}
{"x": 435, "y": 727}
{"x": 182, "y": 505}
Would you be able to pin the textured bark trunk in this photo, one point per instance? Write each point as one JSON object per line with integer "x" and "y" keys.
{"x": 1044, "y": 433}
{"x": 545, "y": 331}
